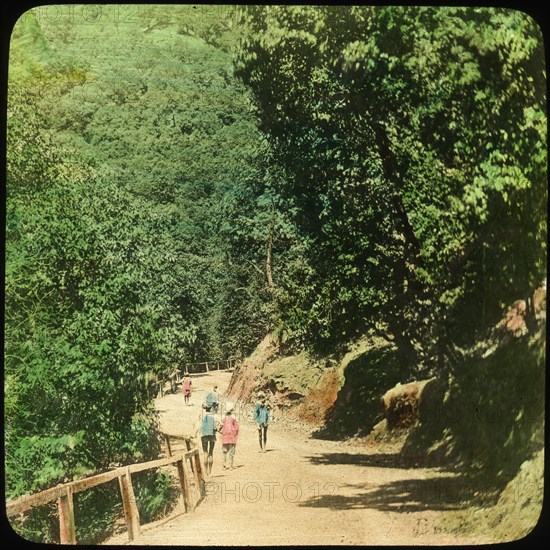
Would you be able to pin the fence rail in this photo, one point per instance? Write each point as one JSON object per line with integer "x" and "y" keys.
{"x": 176, "y": 376}
{"x": 188, "y": 463}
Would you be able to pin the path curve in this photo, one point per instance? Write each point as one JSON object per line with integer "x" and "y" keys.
{"x": 301, "y": 491}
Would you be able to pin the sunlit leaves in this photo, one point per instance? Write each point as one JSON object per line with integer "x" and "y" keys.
{"x": 459, "y": 94}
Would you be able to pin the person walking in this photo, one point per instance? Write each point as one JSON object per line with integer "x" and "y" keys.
{"x": 207, "y": 429}
{"x": 186, "y": 388}
{"x": 261, "y": 415}
{"x": 212, "y": 399}
{"x": 230, "y": 433}
{"x": 259, "y": 398}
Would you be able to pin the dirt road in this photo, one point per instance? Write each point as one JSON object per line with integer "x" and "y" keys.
{"x": 302, "y": 490}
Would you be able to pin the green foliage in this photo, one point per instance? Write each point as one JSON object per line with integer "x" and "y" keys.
{"x": 509, "y": 406}
{"x": 117, "y": 265}
{"x": 413, "y": 140}
{"x": 94, "y": 512}
{"x": 39, "y": 525}
{"x": 155, "y": 493}
{"x": 373, "y": 167}
{"x": 161, "y": 114}
{"x": 488, "y": 414}
{"x": 77, "y": 331}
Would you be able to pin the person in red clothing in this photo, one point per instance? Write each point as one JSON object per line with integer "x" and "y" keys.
{"x": 186, "y": 388}
{"x": 229, "y": 431}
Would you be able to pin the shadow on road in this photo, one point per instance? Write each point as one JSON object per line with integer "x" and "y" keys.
{"x": 407, "y": 495}
{"x": 444, "y": 491}
{"x": 375, "y": 460}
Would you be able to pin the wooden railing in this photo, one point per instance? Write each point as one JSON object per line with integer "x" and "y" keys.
{"x": 209, "y": 365}
{"x": 176, "y": 376}
{"x": 188, "y": 463}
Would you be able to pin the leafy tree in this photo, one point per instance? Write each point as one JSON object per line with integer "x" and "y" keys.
{"x": 163, "y": 115}
{"x": 414, "y": 143}
{"x": 77, "y": 332}
{"x": 123, "y": 167}
{"x": 116, "y": 262}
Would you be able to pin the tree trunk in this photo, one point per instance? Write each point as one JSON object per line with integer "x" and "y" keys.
{"x": 412, "y": 245}
{"x": 408, "y": 357}
{"x": 269, "y": 255}
{"x": 401, "y": 325}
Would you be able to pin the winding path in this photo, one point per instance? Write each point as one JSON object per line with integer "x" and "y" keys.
{"x": 302, "y": 491}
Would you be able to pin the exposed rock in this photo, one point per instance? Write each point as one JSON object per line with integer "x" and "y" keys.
{"x": 401, "y": 404}
{"x": 321, "y": 398}
{"x": 515, "y": 321}
{"x": 248, "y": 377}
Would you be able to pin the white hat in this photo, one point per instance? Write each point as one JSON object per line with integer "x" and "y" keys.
{"x": 229, "y": 407}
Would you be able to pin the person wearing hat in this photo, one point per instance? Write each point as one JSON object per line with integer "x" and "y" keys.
{"x": 260, "y": 397}
{"x": 208, "y": 427}
{"x": 212, "y": 399}
{"x": 261, "y": 416}
{"x": 230, "y": 432}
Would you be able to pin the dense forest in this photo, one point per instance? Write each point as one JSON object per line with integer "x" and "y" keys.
{"x": 183, "y": 180}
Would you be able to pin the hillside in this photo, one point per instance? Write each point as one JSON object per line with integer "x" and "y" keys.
{"x": 131, "y": 147}
{"x": 482, "y": 418}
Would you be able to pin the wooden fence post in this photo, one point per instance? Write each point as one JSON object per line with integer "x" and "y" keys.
{"x": 131, "y": 513}
{"x": 67, "y": 530}
{"x": 207, "y": 370}
{"x": 167, "y": 446}
{"x": 184, "y": 484}
{"x": 199, "y": 477}
{"x": 197, "y": 473}
{"x": 64, "y": 494}
{"x": 188, "y": 448}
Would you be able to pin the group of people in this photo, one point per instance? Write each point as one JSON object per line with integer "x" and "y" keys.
{"x": 210, "y": 426}
{"x": 228, "y": 428}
